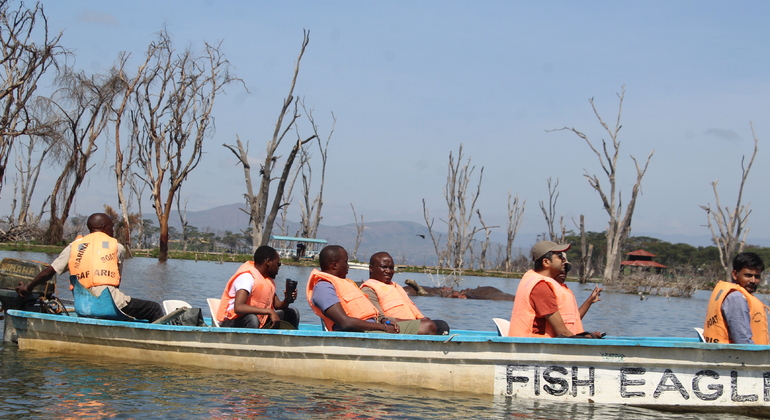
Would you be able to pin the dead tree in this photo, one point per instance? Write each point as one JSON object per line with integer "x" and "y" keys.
{"x": 258, "y": 203}
{"x": 28, "y": 166}
{"x": 515, "y": 217}
{"x": 84, "y": 103}
{"x": 484, "y": 245}
{"x": 460, "y": 209}
{"x": 29, "y": 51}
{"x": 359, "y": 232}
{"x": 310, "y": 211}
{"x": 619, "y": 225}
{"x": 174, "y": 102}
{"x": 550, "y": 213}
{"x": 730, "y": 232}
{"x": 441, "y": 252}
{"x": 125, "y": 152}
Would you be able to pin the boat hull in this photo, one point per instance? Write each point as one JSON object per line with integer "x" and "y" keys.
{"x": 675, "y": 374}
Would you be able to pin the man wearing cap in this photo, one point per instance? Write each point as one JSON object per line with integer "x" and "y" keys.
{"x": 544, "y": 306}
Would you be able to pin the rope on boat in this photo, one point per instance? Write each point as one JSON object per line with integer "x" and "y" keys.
{"x": 450, "y": 338}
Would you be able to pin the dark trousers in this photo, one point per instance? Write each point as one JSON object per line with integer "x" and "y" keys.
{"x": 143, "y": 309}
{"x": 290, "y": 316}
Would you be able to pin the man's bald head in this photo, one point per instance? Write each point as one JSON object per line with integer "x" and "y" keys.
{"x": 100, "y": 222}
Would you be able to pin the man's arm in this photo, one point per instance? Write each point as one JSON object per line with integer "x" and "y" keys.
{"x": 593, "y": 298}
{"x": 557, "y": 322}
{"x": 372, "y": 295}
{"x": 287, "y": 300}
{"x": 735, "y": 310}
{"x": 338, "y": 315}
{"x": 42, "y": 277}
{"x": 240, "y": 307}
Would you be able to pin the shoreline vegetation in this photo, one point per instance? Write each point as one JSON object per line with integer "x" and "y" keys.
{"x": 664, "y": 287}
{"x": 229, "y": 257}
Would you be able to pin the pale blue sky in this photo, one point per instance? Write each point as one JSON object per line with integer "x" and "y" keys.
{"x": 410, "y": 81}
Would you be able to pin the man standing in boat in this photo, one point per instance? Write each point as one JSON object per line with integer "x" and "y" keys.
{"x": 341, "y": 304}
{"x": 738, "y": 317}
{"x": 544, "y": 306}
{"x": 97, "y": 260}
{"x": 249, "y": 299}
{"x": 390, "y": 298}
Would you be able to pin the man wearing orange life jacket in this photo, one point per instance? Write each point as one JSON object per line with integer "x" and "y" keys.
{"x": 249, "y": 299}
{"x": 390, "y": 298}
{"x": 544, "y": 306}
{"x": 734, "y": 314}
{"x": 339, "y": 302}
{"x": 97, "y": 260}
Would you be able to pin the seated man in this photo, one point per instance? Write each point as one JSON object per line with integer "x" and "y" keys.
{"x": 341, "y": 304}
{"x": 249, "y": 299}
{"x": 544, "y": 306}
{"x": 734, "y": 314}
{"x": 97, "y": 261}
{"x": 390, "y": 298}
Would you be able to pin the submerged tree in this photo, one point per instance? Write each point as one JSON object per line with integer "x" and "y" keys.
{"x": 619, "y": 225}
{"x": 461, "y": 205}
{"x": 263, "y": 206}
{"x": 174, "y": 102}
{"x": 515, "y": 217}
{"x": 729, "y": 234}
{"x": 84, "y": 104}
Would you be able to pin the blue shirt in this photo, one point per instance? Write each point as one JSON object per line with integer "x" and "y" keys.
{"x": 735, "y": 310}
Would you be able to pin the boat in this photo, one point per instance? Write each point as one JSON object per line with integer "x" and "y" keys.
{"x": 681, "y": 374}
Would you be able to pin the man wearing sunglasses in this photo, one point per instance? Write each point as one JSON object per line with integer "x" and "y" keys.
{"x": 544, "y": 305}
{"x": 738, "y": 317}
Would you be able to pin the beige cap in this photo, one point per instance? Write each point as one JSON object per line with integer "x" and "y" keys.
{"x": 543, "y": 247}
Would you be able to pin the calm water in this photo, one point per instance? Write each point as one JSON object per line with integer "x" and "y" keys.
{"x": 39, "y": 385}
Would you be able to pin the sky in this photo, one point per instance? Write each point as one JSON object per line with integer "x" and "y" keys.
{"x": 410, "y": 81}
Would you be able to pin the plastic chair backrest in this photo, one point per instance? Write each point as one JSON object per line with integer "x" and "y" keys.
{"x": 503, "y": 325}
{"x": 700, "y": 334}
{"x": 171, "y": 305}
{"x": 213, "y": 308}
{"x": 91, "y": 306}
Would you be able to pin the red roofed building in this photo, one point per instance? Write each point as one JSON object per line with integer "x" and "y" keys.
{"x": 640, "y": 260}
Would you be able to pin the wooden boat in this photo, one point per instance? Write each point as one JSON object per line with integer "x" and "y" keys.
{"x": 664, "y": 373}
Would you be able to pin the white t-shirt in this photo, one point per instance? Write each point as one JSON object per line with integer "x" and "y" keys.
{"x": 245, "y": 281}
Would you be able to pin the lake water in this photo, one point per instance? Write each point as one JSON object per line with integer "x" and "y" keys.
{"x": 40, "y": 385}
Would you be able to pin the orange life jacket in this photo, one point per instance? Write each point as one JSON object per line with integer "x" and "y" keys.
{"x": 354, "y": 302}
{"x": 715, "y": 329}
{"x": 523, "y": 314}
{"x": 94, "y": 260}
{"x": 394, "y": 300}
{"x": 262, "y": 294}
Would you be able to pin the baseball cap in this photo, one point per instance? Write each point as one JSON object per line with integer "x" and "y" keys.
{"x": 543, "y": 247}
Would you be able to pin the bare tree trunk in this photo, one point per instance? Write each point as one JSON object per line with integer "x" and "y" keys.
{"x": 28, "y": 176}
{"x": 550, "y": 213}
{"x": 311, "y": 213}
{"x": 359, "y": 231}
{"x": 461, "y": 207}
{"x": 619, "y": 226}
{"x": 440, "y": 252}
{"x": 730, "y": 233}
{"x": 585, "y": 270}
{"x": 485, "y": 244}
{"x": 515, "y": 215}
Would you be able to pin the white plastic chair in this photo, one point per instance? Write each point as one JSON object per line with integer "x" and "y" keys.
{"x": 172, "y": 304}
{"x": 700, "y": 334}
{"x": 503, "y": 325}
{"x": 213, "y": 308}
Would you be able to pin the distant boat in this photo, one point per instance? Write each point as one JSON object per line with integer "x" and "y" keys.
{"x": 358, "y": 266}
{"x": 681, "y": 374}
